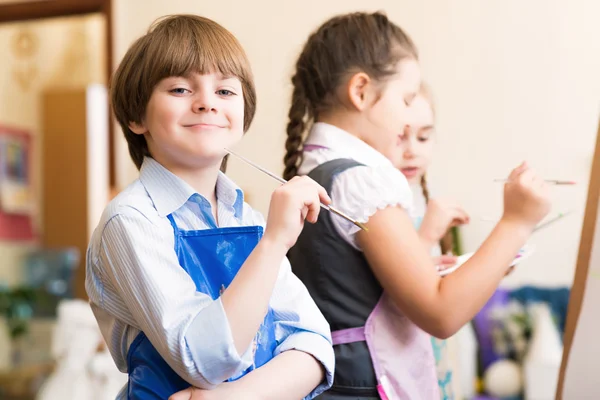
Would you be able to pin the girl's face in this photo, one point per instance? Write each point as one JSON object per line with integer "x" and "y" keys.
{"x": 416, "y": 145}
{"x": 385, "y": 120}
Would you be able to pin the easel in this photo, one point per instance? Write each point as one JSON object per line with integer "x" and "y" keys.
{"x": 577, "y": 380}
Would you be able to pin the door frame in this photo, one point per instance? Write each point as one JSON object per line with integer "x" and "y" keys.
{"x": 17, "y": 11}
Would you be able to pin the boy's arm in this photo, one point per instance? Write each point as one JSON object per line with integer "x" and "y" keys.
{"x": 304, "y": 362}
{"x": 276, "y": 380}
{"x": 300, "y": 326}
{"x": 144, "y": 285}
{"x": 291, "y": 375}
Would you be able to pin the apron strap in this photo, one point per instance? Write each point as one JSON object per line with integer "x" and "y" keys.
{"x": 175, "y": 230}
{"x": 351, "y": 335}
{"x": 173, "y": 224}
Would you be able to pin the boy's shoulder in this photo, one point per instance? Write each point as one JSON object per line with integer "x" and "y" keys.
{"x": 132, "y": 201}
{"x": 252, "y": 216}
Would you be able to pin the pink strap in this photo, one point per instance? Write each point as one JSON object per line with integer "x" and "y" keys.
{"x": 313, "y": 147}
{"x": 382, "y": 392}
{"x": 350, "y": 335}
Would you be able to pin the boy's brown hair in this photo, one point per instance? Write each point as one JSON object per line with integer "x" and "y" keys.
{"x": 176, "y": 45}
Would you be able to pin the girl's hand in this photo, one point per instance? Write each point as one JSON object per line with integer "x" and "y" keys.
{"x": 440, "y": 216}
{"x": 444, "y": 262}
{"x": 526, "y": 199}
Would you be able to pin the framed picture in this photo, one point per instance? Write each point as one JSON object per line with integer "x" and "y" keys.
{"x": 15, "y": 181}
{"x": 16, "y": 198}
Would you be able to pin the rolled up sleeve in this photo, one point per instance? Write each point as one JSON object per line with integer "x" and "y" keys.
{"x": 300, "y": 325}
{"x": 189, "y": 329}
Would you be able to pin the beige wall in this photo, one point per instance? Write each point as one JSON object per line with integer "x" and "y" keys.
{"x": 513, "y": 80}
{"x": 66, "y": 52}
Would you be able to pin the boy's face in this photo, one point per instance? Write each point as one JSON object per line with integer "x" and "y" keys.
{"x": 190, "y": 120}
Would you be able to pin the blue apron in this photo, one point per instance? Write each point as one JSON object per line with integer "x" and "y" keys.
{"x": 212, "y": 258}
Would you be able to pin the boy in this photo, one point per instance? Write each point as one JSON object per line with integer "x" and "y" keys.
{"x": 185, "y": 287}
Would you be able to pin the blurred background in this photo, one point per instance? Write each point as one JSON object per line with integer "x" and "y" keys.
{"x": 512, "y": 80}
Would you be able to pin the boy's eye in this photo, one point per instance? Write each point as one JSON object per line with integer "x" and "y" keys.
{"x": 225, "y": 92}
{"x": 423, "y": 138}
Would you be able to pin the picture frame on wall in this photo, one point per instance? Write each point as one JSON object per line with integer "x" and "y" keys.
{"x": 15, "y": 183}
{"x": 16, "y": 193}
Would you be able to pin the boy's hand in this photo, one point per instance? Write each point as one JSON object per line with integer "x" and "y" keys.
{"x": 225, "y": 391}
{"x": 291, "y": 204}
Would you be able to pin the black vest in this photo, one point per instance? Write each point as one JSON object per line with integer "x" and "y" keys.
{"x": 344, "y": 288}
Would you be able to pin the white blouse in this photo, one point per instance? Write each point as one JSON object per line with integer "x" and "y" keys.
{"x": 361, "y": 191}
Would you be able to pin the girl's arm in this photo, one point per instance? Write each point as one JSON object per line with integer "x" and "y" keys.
{"x": 403, "y": 266}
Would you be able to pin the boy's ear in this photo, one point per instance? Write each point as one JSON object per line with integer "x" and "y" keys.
{"x": 138, "y": 128}
{"x": 358, "y": 90}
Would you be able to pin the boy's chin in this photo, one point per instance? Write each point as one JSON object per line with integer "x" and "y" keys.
{"x": 212, "y": 155}
{"x": 203, "y": 160}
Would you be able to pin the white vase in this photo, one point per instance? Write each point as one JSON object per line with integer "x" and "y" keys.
{"x": 75, "y": 342}
{"x": 467, "y": 360}
{"x": 5, "y": 346}
{"x": 543, "y": 358}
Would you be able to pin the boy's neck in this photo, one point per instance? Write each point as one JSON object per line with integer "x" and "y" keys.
{"x": 202, "y": 180}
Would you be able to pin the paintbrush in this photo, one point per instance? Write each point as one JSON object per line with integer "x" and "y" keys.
{"x": 538, "y": 227}
{"x": 551, "y": 221}
{"x": 549, "y": 181}
{"x": 281, "y": 180}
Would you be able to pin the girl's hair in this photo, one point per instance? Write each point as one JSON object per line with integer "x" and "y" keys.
{"x": 447, "y": 242}
{"x": 176, "y": 45}
{"x": 341, "y": 47}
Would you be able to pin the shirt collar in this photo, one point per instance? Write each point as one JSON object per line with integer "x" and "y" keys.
{"x": 169, "y": 192}
{"x": 345, "y": 144}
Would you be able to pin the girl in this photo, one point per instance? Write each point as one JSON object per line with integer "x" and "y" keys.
{"x": 186, "y": 284}
{"x": 417, "y": 152}
{"x": 354, "y": 83}
{"x": 416, "y": 148}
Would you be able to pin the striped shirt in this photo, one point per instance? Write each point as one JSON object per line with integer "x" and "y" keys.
{"x": 135, "y": 283}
